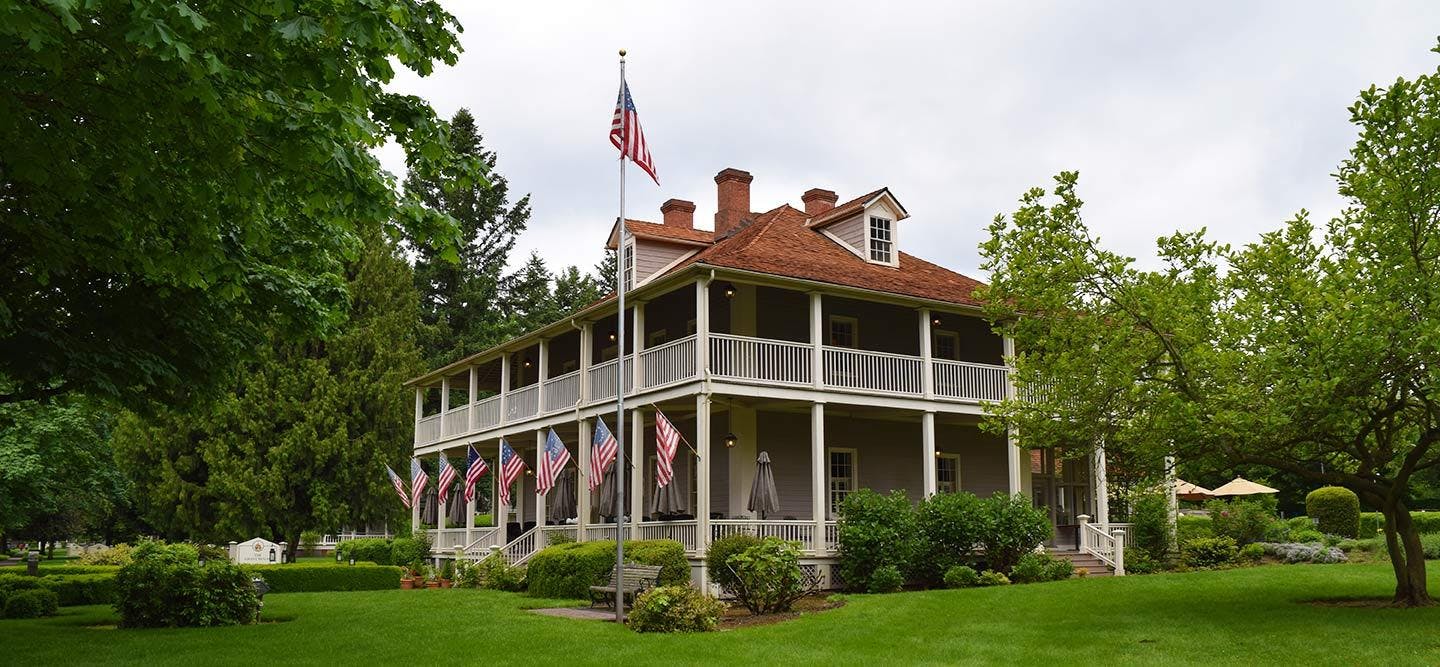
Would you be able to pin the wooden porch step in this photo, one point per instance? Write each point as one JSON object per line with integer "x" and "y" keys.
{"x": 1092, "y": 565}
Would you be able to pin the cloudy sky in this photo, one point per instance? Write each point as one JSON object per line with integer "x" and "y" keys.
{"x": 1226, "y": 115}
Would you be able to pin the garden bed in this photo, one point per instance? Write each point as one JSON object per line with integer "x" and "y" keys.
{"x": 736, "y": 616}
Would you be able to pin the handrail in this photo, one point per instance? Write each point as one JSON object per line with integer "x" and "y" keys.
{"x": 483, "y": 536}
{"x": 1106, "y": 545}
{"x": 520, "y": 549}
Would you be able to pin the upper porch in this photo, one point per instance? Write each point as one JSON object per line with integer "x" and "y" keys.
{"x": 741, "y": 334}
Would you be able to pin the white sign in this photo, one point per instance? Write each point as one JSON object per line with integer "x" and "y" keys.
{"x": 257, "y": 551}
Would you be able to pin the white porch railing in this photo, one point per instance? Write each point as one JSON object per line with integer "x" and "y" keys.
{"x": 600, "y": 532}
{"x": 667, "y": 364}
{"x": 873, "y": 371}
{"x": 520, "y": 549}
{"x": 522, "y": 403}
{"x": 548, "y": 534}
{"x": 770, "y": 361}
{"x": 333, "y": 540}
{"x": 1106, "y": 544}
{"x": 485, "y": 540}
{"x": 448, "y": 539}
{"x": 792, "y": 530}
{"x": 602, "y": 380}
{"x": 832, "y": 536}
{"x": 427, "y": 430}
{"x": 457, "y": 420}
{"x": 562, "y": 393}
{"x": 685, "y": 532}
{"x": 969, "y": 381}
{"x": 487, "y": 413}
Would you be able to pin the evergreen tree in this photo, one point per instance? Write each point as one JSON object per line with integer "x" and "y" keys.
{"x": 458, "y": 299}
{"x": 575, "y": 290}
{"x": 302, "y": 439}
{"x": 529, "y": 301}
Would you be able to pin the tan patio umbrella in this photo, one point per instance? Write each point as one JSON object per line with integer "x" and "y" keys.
{"x": 1242, "y": 487}
{"x": 1186, "y": 491}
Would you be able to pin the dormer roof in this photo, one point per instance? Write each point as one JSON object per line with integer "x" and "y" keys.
{"x": 855, "y": 206}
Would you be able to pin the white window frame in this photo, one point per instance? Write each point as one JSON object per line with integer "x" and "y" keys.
{"x": 939, "y": 484}
{"x": 954, "y": 336}
{"x": 627, "y": 265}
{"x": 873, "y": 241}
{"x": 830, "y": 478}
{"x": 854, "y": 331}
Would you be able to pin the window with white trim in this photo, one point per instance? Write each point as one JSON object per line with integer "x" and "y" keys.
{"x": 947, "y": 473}
{"x": 844, "y": 331}
{"x": 628, "y": 262}
{"x": 882, "y": 240}
{"x": 844, "y": 475}
{"x": 947, "y": 345}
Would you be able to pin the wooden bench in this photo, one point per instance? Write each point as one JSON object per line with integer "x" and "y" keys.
{"x": 638, "y": 578}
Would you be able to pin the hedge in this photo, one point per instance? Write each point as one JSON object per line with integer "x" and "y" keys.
{"x": 373, "y": 549}
{"x": 325, "y": 577}
{"x": 1336, "y": 510}
{"x": 46, "y": 570}
{"x": 1190, "y": 527}
{"x": 567, "y": 571}
{"x": 1374, "y": 522}
{"x": 71, "y": 589}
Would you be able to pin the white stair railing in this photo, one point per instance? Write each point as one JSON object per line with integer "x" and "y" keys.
{"x": 520, "y": 549}
{"x": 1106, "y": 545}
{"x": 479, "y": 547}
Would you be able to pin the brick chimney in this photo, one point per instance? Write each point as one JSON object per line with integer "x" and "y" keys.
{"x": 818, "y": 201}
{"x": 732, "y": 188}
{"x": 678, "y": 213}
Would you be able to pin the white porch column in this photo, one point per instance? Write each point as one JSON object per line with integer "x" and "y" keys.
{"x": 818, "y": 464}
{"x": 702, "y": 328}
{"x": 702, "y": 480}
{"x": 587, "y": 343}
{"x": 817, "y": 339}
{"x": 444, "y": 404}
{"x": 741, "y": 465}
{"x": 1102, "y": 489}
{"x": 1012, "y": 436}
{"x": 637, "y": 468}
{"x": 582, "y": 483}
{"x": 637, "y": 345}
{"x": 927, "y": 441}
{"x": 419, "y": 411}
{"x": 541, "y": 376}
{"x": 927, "y": 368}
{"x": 504, "y": 389}
{"x": 474, "y": 415}
{"x": 539, "y": 497}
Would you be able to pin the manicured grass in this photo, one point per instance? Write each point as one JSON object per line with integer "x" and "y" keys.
{"x": 1245, "y": 616}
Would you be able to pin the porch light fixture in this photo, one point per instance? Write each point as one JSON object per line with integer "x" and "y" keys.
{"x": 730, "y": 440}
{"x": 272, "y": 555}
{"x": 611, "y": 335}
{"x": 939, "y": 453}
{"x": 527, "y": 362}
{"x": 728, "y": 290}
{"x": 935, "y": 321}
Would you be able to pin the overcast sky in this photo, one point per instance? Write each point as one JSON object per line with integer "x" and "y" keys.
{"x": 1226, "y": 115}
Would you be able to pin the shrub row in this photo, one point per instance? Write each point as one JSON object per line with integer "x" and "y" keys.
{"x": 32, "y": 603}
{"x": 567, "y": 571}
{"x": 70, "y": 589}
{"x": 46, "y": 570}
{"x": 324, "y": 577}
{"x": 402, "y": 551}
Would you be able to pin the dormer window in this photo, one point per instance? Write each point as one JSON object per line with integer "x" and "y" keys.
{"x": 628, "y": 264}
{"x": 882, "y": 240}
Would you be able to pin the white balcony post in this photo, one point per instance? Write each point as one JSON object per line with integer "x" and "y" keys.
{"x": 1080, "y": 537}
{"x": 1012, "y": 439}
{"x": 702, "y": 481}
{"x": 582, "y": 483}
{"x": 414, "y": 510}
{"x": 1119, "y": 536}
{"x": 542, "y": 375}
{"x": 927, "y": 366}
{"x": 817, "y": 339}
{"x": 587, "y": 344}
{"x": 927, "y": 440}
{"x": 444, "y": 405}
{"x": 638, "y": 337}
{"x": 818, "y": 464}
{"x": 1102, "y": 489}
{"x": 419, "y": 411}
{"x": 474, "y": 391}
{"x": 637, "y": 468}
{"x": 539, "y": 497}
{"x": 702, "y": 329}
{"x": 504, "y": 388}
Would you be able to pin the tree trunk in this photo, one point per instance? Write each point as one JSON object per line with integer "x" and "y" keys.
{"x": 1407, "y": 557}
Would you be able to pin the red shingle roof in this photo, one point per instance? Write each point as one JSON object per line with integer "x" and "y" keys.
{"x": 845, "y": 210}
{"x": 645, "y": 229}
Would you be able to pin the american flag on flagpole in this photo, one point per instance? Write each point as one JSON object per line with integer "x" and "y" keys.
{"x": 602, "y": 453}
{"x": 399, "y": 486}
{"x": 418, "y": 480}
{"x": 554, "y": 458}
{"x": 626, "y": 134}
{"x": 447, "y": 476}
{"x": 474, "y": 468}
{"x": 667, "y": 440}
{"x": 511, "y": 465}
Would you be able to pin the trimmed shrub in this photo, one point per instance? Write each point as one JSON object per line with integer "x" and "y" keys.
{"x": 767, "y": 576}
{"x": 366, "y": 549}
{"x": 961, "y": 576}
{"x": 32, "y": 603}
{"x": 950, "y": 527}
{"x": 1036, "y": 567}
{"x": 496, "y": 574}
{"x": 79, "y": 589}
{"x": 17, "y": 582}
{"x": 886, "y": 579}
{"x": 1252, "y": 553}
{"x": 409, "y": 551}
{"x": 116, "y": 555}
{"x": 874, "y": 531}
{"x": 165, "y": 552}
{"x": 1430, "y": 543}
{"x": 674, "y": 609}
{"x": 717, "y": 557}
{"x": 1190, "y": 527}
{"x": 567, "y": 571}
{"x": 1244, "y": 521}
{"x": 309, "y": 539}
{"x": 1013, "y": 527}
{"x": 992, "y": 578}
{"x": 325, "y": 577}
{"x": 1337, "y": 509}
{"x": 1426, "y": 522}
{"x": 1306, "y": 536}
{"x": 46, "y": 571}
{"x": 1150, "y": 526}
{"x": 1210, "y": 551}
{"x": 160, "y": 589}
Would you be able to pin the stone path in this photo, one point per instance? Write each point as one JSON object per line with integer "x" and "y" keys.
{"x": 579, "y": 613}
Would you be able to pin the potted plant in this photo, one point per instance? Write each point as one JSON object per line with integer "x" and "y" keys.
{"x": 407, "y": 579}
{"x": 430, "y": 580}
{"x": 447, "y": 573}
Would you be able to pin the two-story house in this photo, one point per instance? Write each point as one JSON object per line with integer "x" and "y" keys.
{"x": 805, "y": 333}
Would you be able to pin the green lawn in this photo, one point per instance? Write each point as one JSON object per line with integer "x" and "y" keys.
{"x": 1245, "y": 616}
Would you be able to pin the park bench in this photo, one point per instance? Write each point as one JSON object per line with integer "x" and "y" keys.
{"x": 638, "y": 578}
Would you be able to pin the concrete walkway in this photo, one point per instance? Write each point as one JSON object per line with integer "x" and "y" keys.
{"x": 580, "y": 613}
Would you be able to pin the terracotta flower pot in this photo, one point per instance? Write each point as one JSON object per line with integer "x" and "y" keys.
{"x": 406, "y": 583}
{"x": 432, "y": 584}
{"x": 445, "y": 583}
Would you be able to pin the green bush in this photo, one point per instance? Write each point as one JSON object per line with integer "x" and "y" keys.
{"x": 1430, "y": 543}
{"x": 1036, "y": 567}
{"x": 961, "y": 576}
{"x": 409, "y": 552}
{"x": 886, "y": 579}
{"x": 950, "y": 527}
{"x": 17, "y": 582}
{"x": 674, "y": 609}
{"x": 1426, "y": 522}
{"x": 372, "y": 549}
{"x": 1150, "y": 526}
{"x": 162, "y": 589}
{"x": 496, "y": 574}
{"x": 165, "y": 552}
{"x": 567, "y": 571}
{"x": 1306, "y": 536}
{"x": 1140, "y": 563}
{"x": 1336, "y": 508}
{"x": 1189, "y": 527}
{"x": 1210, "y": 552}
{"x": 717, "y": 557}
{"x": 1013, "y": 527}
{"x": 1252, "y": 553}
{"x": 309, "y": 539}
{"x": 874, "y": 531}
{"x": 1243, "y": 521}
{"x": 767, "y": 576}
{"x": 992, "y": 578}
{"x": 47, "y": 570}
{"x": 326, "y": 577}
{"x": 80, "y": 589}
{"x": 32, "y": 603}
{"x": 116, "y": 555}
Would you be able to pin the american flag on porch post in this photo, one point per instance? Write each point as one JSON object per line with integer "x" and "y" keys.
{"x": 399, "y": 486}
{"x": 474, "y": 468}
{"x": 511, "y": 465}
{"x": 667, "y": 440}
{"x": 602, "y": 454}
{"x": 551, "y": 461}
{"x": 447, "y": 476}
{"x": 418, "y": 480}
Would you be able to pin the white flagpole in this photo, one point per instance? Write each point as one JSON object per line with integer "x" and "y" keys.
{"x": 620, "y": 376}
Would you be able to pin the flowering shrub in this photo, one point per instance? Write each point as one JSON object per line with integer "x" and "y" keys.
{"x": 767, "y": 578}
{"x": 992, "y": 578}
{"x": 674, "y": 609}
{"x": 961, "y": 576}
{"x": 118, "y": 554}
{"x": 1210, "y": 552}
{"x": 1304, "y": 553}
{"x": 1244, "y": 521}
